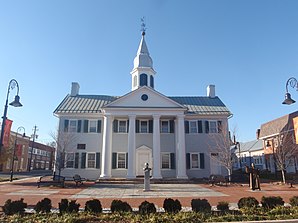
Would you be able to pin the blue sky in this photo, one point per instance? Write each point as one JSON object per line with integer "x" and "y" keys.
{"x": 248, "y": 49}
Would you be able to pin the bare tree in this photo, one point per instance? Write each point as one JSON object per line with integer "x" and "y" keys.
{"x": 220, "y": 148}
{"x": 6, "y": 152}
{"x": 284, "y": 150}
{"x": 64, "y": 143}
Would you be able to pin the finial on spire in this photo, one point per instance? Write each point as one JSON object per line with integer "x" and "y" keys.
{"x": 143, "y": 26}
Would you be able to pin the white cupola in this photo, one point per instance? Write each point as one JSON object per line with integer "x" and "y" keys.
{"x": 143, "y": 72}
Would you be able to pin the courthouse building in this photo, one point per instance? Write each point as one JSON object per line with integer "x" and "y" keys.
{"x": 115, "y": 135}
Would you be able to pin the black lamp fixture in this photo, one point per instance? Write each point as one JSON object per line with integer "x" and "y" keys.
{"x": 268, "y": 143}
{"x": 294, "y": 84}
{"x": 16, "y": 103}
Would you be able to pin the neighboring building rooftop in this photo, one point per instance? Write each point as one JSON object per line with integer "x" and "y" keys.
{"x": 278, "y": 125}
{"x": 251, "y": 145}
{"x": 94, "y": 103}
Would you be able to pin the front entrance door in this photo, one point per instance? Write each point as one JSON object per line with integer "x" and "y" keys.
{"x": 144, "y": 155}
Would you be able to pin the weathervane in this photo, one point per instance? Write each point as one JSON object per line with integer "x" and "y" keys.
{"x": 143, "y": 25}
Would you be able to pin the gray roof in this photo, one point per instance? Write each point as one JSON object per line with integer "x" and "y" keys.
{"x": 94, "y": 104}
{"x": 251, "y": 145}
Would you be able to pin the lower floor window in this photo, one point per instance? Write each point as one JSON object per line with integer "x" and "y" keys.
{"x": 70, "y": 160}
{"x": 121, "y": 160}
{"x": 195, "y": 161}
{"x": 165, "y": 160}
{"x": 91, "y": 160}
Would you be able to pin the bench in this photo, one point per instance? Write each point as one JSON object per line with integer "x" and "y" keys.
{"x": 217, "y": 179}
{"x": 51, "y": 180}
{"x": 78, "y": 179}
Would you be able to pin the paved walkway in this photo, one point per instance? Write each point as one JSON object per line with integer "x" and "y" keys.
{"x": 134, "y": 194}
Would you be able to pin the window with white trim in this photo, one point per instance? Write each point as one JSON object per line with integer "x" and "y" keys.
{"x": 122, "y": 126}
{"x": 72, "y": 125}
{"x": 193, "y": 127}
{"x": 144, "y": 126}
{"x": 92, "y": 125}
{"x": 70, "y": 158}
{"x": 91, "y": 160}
{"x": 194, "y": 160}
{"x": 165, "y": 160}
{"x": 213, "y": 127}
{"x": 121, "y": 160}
{"x": 165, "y": 127}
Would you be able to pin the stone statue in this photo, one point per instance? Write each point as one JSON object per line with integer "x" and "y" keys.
{"x": 254, "y": 177}
{"x": 147, "y": 170}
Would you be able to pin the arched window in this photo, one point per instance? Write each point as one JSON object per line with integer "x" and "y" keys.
{"x": 151, "y": 81}
{"x": 143, "y": 80}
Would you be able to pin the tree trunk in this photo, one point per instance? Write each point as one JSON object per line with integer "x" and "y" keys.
{"x": 283, "y": 176}
{"x": 230, "y": 174}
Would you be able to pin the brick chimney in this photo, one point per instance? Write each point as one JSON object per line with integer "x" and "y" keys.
{"x": 75, "y": 88}
{"x": 211, "y": 91}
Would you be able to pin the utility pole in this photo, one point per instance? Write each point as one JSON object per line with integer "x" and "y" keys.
{"x": 34, "y": 136}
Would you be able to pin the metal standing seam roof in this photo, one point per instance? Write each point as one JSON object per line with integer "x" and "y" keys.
{"x": 94, "y": 104}
{"x": 251, "y": 145}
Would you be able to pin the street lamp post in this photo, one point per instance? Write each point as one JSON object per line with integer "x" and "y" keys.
{"x": 16, "y": 103}
{"x": 294, "y": 84}
{"x": 14, "y": 151}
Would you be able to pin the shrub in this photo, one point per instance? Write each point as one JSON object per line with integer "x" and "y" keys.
{"x": 43, "y": 206}
{"x": 120, "y": 206}
{"x": 222, "y": 206}
{"x": 272, "y": 201}
{"x": 294, "y": 201}
{"x": 14, "y": 207}
{"x": 171, "y": 206}
{"x": 147, "y": 208}
{"x": 68, "y": 207}
{"x": 248, "y": 202}
{"x": 93, "y": 206}
{"x": 199, "y": 205}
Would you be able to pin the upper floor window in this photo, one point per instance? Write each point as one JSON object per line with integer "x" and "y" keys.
{"x": 193, "y": 127}
{"x": 122, "y": 126}
{"x": 143, "y": 80}
{"x": 165, "y": 127}
{"x": 92, "y": 125}
{"x": 72, "y": 126}
{"x": 213, "y": 126}
{"x": 81, "y": 146}
{"x": 143, "y": 126}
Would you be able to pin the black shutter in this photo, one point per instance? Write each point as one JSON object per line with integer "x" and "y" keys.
{"x": 99, "y": 126}
{"x": 66, "y": 124}
{"x": 150, "y": 126}
{"x": 202, "y": 161}
{"x": 186, "y": 125}
{"x": 79, "y": 126}
{"x": 97, "y": 164}
{"x": 76, "y": 161}
{"x": 187, "y": 160}
{"x": 86, "y": 122}
{"x": 207, "y": 126}
{"x": 115, "y": 125}
{"x": 83, "y": 161}
{"x": 114, "y": 160}
{"x": 137, "y": 126}
{"x": 173, "y": 161}
{"x": 172, "y": 126}
{"x": 219, "y": 126}
{"x": 127, "y": 126}
{"x": 200, "y": 126}
{"x": 126, "y": 161}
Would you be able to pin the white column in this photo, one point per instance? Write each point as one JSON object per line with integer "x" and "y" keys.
{"x": 180, "y": 148}
{"x": 156, "y": 147}
{"x": 106, "y": 147}
{"x": 131, "y": 170}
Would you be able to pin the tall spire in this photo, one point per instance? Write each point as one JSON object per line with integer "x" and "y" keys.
{"x": 142, "y": 72}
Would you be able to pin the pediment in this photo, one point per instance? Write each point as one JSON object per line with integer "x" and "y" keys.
{"x": 144, "y": 97}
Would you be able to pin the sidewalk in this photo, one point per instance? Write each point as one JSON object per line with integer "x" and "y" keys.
{"x": 134, "y": 194}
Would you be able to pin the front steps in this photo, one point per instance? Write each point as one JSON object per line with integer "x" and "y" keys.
{"x": 140, "y": 180}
